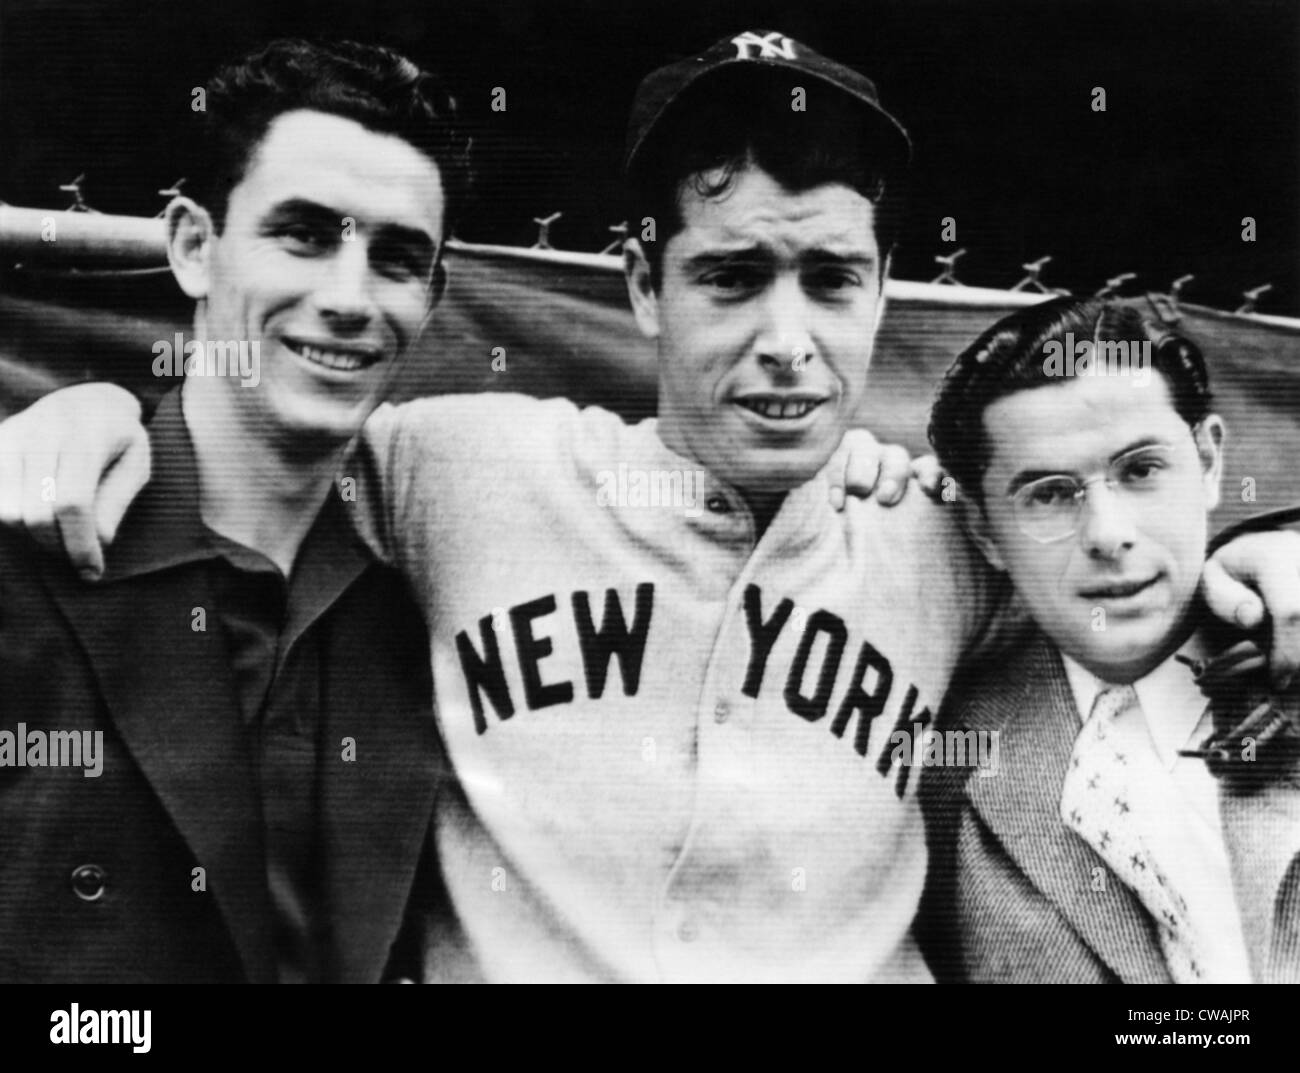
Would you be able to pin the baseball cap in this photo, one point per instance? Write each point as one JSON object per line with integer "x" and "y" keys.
{"x": 662, "y": 91}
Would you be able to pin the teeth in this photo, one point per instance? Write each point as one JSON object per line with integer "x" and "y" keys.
{"x": 332, "y": 359}
{"x": 776, "y": 409}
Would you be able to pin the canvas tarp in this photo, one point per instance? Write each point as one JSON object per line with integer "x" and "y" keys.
{"x": 549, "y": 323}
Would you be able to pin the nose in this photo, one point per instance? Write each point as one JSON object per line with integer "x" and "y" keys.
{"x": 343, "y": 296}
{"x": 785, "y": 342}
{"x": 1107, "y": 527}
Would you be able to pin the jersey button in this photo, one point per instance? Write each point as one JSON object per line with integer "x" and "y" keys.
{"x": 720, "y": 711}
{"x": 687, "y": 931}
{"x": 717, "y": 504}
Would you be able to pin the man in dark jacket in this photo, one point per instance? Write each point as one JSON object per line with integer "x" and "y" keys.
{"x": 219, "y": 763}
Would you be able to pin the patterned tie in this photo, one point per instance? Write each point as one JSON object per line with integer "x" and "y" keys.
{"x": 1097, "y": 802}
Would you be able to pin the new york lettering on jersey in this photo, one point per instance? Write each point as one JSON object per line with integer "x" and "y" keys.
{"x": 808, "y": 681}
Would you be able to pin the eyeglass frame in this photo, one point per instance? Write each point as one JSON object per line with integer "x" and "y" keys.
{"x": 1080, "y": 495}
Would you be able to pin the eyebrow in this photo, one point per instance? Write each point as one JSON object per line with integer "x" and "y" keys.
{"x": 823, "y": 258}
{"x": 416, "y": 239}
{"x": 759, "y": 255}
{"x": 749, "y": 255}
{"x": 298, "y": 208}
{"x": 1028, "y": 476}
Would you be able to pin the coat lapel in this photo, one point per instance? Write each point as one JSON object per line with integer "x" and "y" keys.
{"x": 1261, "y": 827}
{"x": 376, "y": 809}
{"x": 1033, "y": 708}
{"x": 168, "y": 691}
{"x": 168, "y": 686}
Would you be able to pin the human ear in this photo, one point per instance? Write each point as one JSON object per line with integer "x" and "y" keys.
{"x": 1209, "y": 436}
{"x": 640, "y": 288}
{"x": 976, "y": 523}
{"x": 190, "y": 231}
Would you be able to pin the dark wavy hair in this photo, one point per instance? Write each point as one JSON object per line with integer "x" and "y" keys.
{"x": 743, "y": 120}
{"x": 1010, "y": 357}
{"x": 377, "y": 87}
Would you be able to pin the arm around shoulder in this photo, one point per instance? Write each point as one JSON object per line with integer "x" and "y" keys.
{"x": 70, "y": 466}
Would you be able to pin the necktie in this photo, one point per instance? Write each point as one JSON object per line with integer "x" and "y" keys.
{"x": 1099, "y": 803}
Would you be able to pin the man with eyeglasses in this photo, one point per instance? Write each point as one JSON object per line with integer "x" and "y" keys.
{"x": 1103, "y": 852}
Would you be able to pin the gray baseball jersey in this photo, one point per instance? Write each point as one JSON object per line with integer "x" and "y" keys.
{"x": 676, "y": 742}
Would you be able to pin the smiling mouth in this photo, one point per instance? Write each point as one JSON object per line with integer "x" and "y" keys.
{"x": 1119, "y": 590}
{"x": 779, "y": 407}
{"x": 339, "y": 359}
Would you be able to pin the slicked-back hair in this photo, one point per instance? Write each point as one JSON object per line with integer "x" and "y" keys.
{"x": 374, "y": 86}
{"x": 739, "y": 120}
{"x": 1011, "y": 356}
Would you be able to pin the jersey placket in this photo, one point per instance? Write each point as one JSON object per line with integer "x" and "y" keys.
{"x": 705, "y": 876}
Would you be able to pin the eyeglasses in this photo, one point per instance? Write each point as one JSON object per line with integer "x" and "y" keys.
{"x": 1049, "y": 509}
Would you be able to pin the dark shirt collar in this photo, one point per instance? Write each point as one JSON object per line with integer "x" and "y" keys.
{"x": 164, "y": 527}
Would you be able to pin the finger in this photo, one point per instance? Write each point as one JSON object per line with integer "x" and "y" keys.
{"x": 929, "y": 475}
{"x": 895, "y": 469}
{"x": 123, "y": 482}
{"x": 74, "y": 512}
{"x": 1270, "y": 563}
{"x": 11, "y": 482}
{"x": 1229, "y": 599}
{"x": 1279, "y": 591}
{"x": 860, "y": 464}
{"x": 80, "y": 545}
{"x": 835, "y": 474}
{"x": 40, "y": 492}
{"x": 862, "y": 473}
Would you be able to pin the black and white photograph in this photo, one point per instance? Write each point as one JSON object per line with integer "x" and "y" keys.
{"x": 558, "y": 491}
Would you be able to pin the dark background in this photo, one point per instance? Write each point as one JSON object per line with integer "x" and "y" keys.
{"x": 1201, "y": 126}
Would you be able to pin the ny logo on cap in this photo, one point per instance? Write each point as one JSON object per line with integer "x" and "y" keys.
{"x": 771, "y": 46}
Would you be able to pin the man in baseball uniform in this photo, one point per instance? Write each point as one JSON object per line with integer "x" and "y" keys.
{"x": 682, "y": 695}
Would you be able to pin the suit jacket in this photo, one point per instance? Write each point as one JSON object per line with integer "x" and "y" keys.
{"x": 1015, "y": 896}
{"x": 97, "y": 875}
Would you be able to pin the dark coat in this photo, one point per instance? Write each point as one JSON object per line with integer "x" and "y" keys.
{"x": 97, "y": 880}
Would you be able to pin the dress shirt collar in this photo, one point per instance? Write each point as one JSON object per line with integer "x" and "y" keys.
{"x": 1172, "y": 704}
